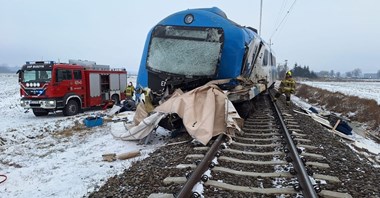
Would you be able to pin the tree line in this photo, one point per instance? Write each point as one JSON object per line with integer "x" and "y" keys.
{"x": 297, "y": 71}
{"x": 305, "y": 72}
{"x": 7, "y": 69}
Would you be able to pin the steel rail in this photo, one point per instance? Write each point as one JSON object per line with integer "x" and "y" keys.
{"x": 201, "y": 168}
{"x": 307, "y": 187}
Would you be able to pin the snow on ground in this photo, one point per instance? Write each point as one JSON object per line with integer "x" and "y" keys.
{"x": 369, "y": 90}
{"x": 44, "y": 157}
{"x": 362, "y": 142}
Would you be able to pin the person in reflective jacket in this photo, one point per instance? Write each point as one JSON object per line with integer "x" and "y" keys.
{"x": 287, "y": 87}
{"x": 129, "y": 91}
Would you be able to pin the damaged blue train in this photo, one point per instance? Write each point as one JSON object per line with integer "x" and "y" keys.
{"x": 192, "y": 47}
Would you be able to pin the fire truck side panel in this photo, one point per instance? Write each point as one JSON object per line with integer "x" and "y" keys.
{"x": 123, "y": 82}
{"x": 94, "y": 89}
{"x": 94, "y": 85}
{"x": 115, "y": 82}
{"x": 117, "y": 86}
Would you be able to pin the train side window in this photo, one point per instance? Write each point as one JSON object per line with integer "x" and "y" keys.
{"x": 254, "y": 54}
{"x": 77, "y": 75}
{"x": 265, "y": 59}
{"x": 270, "y": 58}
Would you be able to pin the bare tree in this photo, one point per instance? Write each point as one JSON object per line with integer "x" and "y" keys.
{"x": 323, "y": 74}
{"x": 282, "y": 69}
{"x": 332, "y": 73}
{"x": 349, "y": 74}
{"x": 357, "y": 72}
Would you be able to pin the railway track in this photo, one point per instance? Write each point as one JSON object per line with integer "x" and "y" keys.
{"x": 271, "y": 157}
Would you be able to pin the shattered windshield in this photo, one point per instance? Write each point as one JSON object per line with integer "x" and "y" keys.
{"x": 184, "y": 51}
{"x": 36, "y": 76}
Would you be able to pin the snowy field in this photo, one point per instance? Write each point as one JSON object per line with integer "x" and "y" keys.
{"x": 43, "y": 157}
{"x": 369, "y": 90}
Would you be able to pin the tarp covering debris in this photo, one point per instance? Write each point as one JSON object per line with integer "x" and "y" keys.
{"x": 205, "y": 112}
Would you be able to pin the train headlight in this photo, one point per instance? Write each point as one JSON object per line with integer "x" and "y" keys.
{"x": 27, "y": 84}
{"x": 38, "y": 84}
{"x": 189, "y": 18}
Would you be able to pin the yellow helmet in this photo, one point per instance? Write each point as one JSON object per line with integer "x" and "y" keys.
{"x": 289, "y": 73}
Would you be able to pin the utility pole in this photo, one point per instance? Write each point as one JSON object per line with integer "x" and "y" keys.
{"x": 261, "y": 15}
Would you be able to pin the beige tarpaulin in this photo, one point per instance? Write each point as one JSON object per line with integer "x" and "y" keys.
{"x": 204, "y": 112}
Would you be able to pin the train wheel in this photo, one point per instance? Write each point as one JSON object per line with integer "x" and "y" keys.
{"x": 71, "y": 108}
{"x": 40, "y": 112}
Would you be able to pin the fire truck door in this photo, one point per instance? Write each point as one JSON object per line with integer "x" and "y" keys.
{"x": 78, "y": 84}
{"x": 64, "y": 81}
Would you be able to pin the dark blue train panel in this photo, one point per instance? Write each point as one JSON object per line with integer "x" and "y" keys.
{"x": 189, "y": 48}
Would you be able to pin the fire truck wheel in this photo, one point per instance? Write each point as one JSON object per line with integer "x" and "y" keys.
{"x": 71, "y": 108}
{"x": 40, "y": 112}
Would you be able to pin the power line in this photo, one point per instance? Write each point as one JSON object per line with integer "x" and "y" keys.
{"x": 280, "y": 13}
{"x": 283, "y": 19}
{"x": 261, "y": 15}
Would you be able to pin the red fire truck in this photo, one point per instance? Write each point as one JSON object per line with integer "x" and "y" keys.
{"x": 70, "y": 87}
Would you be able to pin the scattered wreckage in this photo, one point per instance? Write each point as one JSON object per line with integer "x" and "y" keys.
{"x": 203, "y": 112}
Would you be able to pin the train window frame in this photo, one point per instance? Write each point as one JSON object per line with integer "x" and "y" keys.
{"x": 265, "y": 58}
{"x": 273, "y": 59}
{"x": 249, "y": 65}
{"x": 189, "y": 35}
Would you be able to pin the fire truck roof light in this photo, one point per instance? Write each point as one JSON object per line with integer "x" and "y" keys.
{"x": 39, "y": 62}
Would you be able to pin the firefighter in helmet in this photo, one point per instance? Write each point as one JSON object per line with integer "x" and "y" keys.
{"x": 129, "y": 91}
{"x": 287, "y": 87}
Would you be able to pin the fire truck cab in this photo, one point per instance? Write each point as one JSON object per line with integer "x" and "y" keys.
{"x": 46, "y": 86}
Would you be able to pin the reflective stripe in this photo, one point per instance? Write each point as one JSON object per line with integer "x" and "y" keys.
{"x": 288, "y": 85}
{"x": 129, "y": 91}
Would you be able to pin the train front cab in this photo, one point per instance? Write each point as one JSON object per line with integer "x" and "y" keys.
{"x": 206, "y": 37}
{"x": 171, "y": 59}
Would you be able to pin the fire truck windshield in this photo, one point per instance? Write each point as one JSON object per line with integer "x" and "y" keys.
{"x": 36, "y": 76}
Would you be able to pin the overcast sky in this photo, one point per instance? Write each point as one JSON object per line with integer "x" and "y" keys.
{"x": 338, "y": 35}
